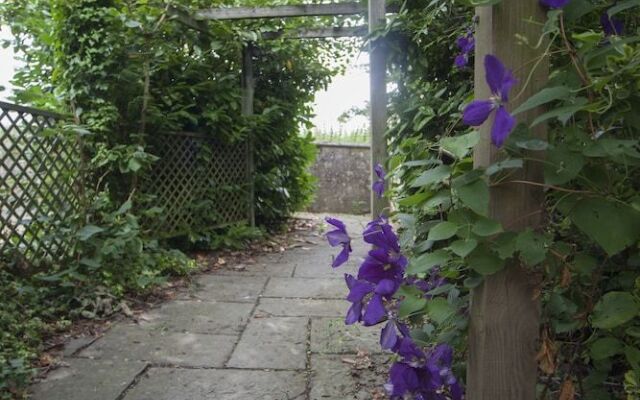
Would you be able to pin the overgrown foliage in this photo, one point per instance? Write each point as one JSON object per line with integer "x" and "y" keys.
{"x": 124, "y": 71}
{"x": 585, "y": 255}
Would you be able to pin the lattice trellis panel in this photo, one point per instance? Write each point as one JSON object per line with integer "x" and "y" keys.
{"x": 199, "y": 182}
{"x": 38, "y": 184}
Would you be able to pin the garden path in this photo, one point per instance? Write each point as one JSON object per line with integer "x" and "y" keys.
{"x": 273, "y": 331}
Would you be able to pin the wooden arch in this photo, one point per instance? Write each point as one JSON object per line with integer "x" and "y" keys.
{"x": 376, "y": 11}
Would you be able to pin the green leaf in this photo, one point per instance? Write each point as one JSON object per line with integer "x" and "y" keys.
{"x": 475, "y": 196}
{"x": 505, "y": 245}
{"x": 612, "y": 225}
{"x": 411, "y": 305}
{"x": 543, "y": 97}
{"x": 532, "y": 247}
{"x": 415, "y": 199}
{"x": 462, "y": 248}
{"x": 88, "y": 231}
{"x": 633, "y": 357}
{"x": 605, "y": 348}
{"x": 425, "y": 262}
{"x": 484, "y": 261}
{"x": 622, "y": 6}
{"x": 514, "y": 163}
{"x": 614, "y": 309}
{"x": 533, "y": 144}
{"x": 459, "y": 146}
{"x": 443, "y": 231}
{"x": 432, "y": 176}
{"x": 562, "y": 165}
{"x": 439, "y": 310}
{"x": 486, "y": 227}
{"x": 562, "y": 113}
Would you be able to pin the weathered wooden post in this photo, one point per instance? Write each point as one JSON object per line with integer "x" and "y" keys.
{"x": 248, "y": 92}
{"x": 378, "y": 102}
{"x": 504, "y": 312}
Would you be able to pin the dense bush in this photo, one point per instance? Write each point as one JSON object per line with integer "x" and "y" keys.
{"x": 124, "y": 71}
{"x": 586, "y": 253}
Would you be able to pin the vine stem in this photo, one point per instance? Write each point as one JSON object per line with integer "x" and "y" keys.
{"x": 582, "y": 74}
{"x": 544, "y": 185}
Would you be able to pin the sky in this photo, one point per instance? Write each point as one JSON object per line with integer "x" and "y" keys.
{"x": 7, "y": 64}
{"x": 344, "y": 92}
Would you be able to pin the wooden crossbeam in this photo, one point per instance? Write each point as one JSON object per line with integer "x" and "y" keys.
{"x": 303, "y": 10}
{"x": 184, "y": 18}
{"x": 318, "y": 33}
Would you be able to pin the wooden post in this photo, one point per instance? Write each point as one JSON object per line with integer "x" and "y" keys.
{"x": 378, "y": 74}
{"x": 248, "y": 92}
{"x": 505, "y": 319}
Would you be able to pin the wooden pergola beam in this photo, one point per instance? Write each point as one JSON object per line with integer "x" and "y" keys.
{"x": 303, "y": 10}
{"x": 186, "y": 19}
{"x": 318, "y": 33}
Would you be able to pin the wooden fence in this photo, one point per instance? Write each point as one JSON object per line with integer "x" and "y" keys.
{"x": 40, "y": 185}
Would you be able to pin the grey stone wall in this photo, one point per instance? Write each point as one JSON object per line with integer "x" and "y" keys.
{"x": 344, "y": 184}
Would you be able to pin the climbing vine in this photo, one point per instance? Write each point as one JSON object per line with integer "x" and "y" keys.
{"x": 583, "y": 259}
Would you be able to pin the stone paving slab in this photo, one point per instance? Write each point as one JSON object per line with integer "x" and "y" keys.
{"x": 278, "y": 343}
{"x": 275, "y": 307}
{"x": 190, "y": 384}
{"x": 331, "y": 335}
{"x": 88, "y": 380}
{"x": 130, "y": 342}
{"x": 220, "y": 318}
{"x": 335, "y": 377}
{"x": 265, "y": 266}
{"x": 229, "y": 288}
{"x": 306, "y": 288}
{"x": 323, "y": 269}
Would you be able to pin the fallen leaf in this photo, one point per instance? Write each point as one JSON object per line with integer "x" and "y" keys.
{"x": 547, "y": 354}
{"x": 565, "y": 280}
{"x": 568, "y": 390}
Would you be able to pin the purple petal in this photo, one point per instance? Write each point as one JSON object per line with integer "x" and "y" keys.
{"x": 378, "y": 188}
{"x": 554, "y": 3}
{"x": 507, "y": 83}
{"x": 611, "y": 25}
{"x": 342, "y": 257}
{"x": 338, "y": 237}
{"x": 502, "y": 126}
{"x": 456, "y": 391}
{"x": 402, "y": 379}
{"x": 461, "y": 60}
{"x": 354, "y": 314}
{"x": 494, "y": 73}
{"x": 477, "y": 112}
{"x": 387, "y": 287}
{"x": 359, "y": 290}
{"x": 379, "y": 171}
{"x": 388, "y": 336}
{"x": 337, "y": 223}
{"x": 375, "y": 311}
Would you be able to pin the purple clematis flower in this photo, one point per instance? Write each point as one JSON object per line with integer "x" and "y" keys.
{"x": 554, "y": 4}
{"x": 361, "y": 292}
{"x": 612, "y": 26}
{"x": 339, "y": 237}
{"x": 467, "y": 45}
{"x": 500, "y": 81}
{"x": 378, "y": 185}
{"x": 379, "y": 265}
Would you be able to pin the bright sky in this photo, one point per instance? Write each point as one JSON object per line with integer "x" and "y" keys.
{"x": 345, "y": 92}
{"x": 7, "y": 64}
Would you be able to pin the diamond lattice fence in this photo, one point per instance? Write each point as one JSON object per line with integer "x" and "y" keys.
{"x": 38, "y": 184}
{"x": 199, "y": 182}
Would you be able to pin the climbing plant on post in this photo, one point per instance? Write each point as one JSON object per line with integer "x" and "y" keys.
{"x": 504, "y": 323}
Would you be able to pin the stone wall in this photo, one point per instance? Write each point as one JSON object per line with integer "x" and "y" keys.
{"x": 343, "y": 181}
